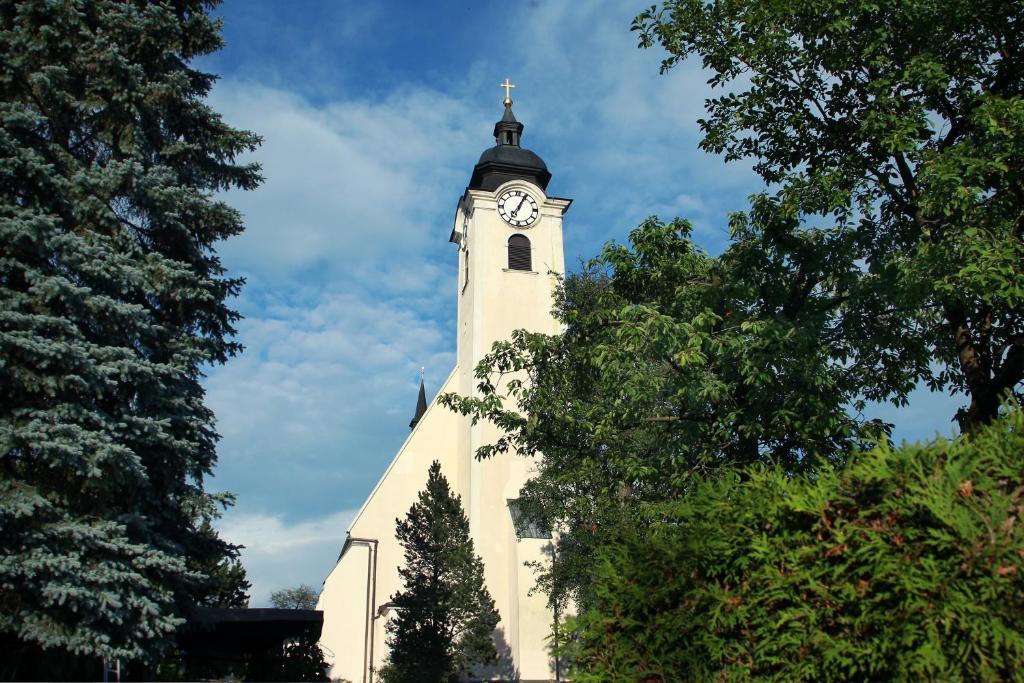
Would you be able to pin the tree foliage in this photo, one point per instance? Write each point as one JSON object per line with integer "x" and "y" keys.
{"x": 899, "y": 126}
{"x": 111, "y": 300}
{"x": 905, "y": 564}
{"x": 444, "y": 616}
{"x": 301, "y": 597}
{"x": 298, "y": 659}
{"x": 670, "y": 369}
{"x": 227, "y": 583}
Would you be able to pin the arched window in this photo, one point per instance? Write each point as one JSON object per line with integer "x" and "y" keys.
{"x": 519, "y": 253}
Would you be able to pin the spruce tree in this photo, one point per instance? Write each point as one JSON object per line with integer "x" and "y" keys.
{"x": 444, "y": 616}
{"x": 112, "y": 298}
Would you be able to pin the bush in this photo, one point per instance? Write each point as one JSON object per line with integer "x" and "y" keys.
{"x": 907, "y": 563}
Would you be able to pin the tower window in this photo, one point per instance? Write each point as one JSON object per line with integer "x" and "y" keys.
{"x": 519, "y": 253}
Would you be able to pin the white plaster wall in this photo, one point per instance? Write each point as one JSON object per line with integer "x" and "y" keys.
{"x": 344, "y": 596}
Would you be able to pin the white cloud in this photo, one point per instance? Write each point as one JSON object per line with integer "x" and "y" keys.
{"x": 279, "y": 554}
{"x": 345, "y": 181}
{"x": 323, "y": 394}
{"x": 350, "y": 289}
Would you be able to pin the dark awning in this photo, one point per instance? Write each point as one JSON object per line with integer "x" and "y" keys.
{"x": 235, "y": 633}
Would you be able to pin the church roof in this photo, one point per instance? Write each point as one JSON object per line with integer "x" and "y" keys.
{"x": 507, "y": 160}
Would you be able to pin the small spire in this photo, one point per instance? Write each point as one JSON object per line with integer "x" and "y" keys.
{"x": 508, "y": 131}
{"x": 421, "y": 402}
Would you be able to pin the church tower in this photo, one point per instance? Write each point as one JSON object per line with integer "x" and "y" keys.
{"x": 508, "y": 234}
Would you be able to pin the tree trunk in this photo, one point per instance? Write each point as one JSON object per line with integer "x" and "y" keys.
{"x": 982, "y": 385}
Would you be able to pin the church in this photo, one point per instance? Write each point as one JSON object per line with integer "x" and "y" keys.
{"x": 508, "y": 235}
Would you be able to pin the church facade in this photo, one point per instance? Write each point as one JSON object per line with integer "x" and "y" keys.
{"x": 508, "y": 234}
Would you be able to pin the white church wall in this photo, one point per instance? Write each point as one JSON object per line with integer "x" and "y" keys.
{"x": 497, "y": 302}
{"x": 343, "y": 600}
{"x": 344, "y": 597}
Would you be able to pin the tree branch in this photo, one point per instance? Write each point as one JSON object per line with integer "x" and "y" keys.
{"x": 1011, "y": 370}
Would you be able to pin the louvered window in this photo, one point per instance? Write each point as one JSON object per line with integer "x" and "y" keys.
{"x": 519, "y": 253}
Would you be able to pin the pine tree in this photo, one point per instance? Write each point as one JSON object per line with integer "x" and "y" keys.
{"x": 445, "y": 616}
{"x": 228, "y": 585}
{"x": 111, "y": 300}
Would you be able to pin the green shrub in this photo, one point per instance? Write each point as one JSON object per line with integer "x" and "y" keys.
{"x": 907, "y": 563}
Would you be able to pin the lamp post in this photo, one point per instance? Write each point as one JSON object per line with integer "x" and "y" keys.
{"x": 558, "y": 659}
{"x": 381, "y": 612}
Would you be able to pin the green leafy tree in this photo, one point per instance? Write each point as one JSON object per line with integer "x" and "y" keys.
{"x": 301, "y": 597}
{"x": 670, "y": 369}
{"x": 112, "y": 298}
{"x": 445, "y": 617}
{"x": 903, "y": 564}
{"x": 895, "y": 130}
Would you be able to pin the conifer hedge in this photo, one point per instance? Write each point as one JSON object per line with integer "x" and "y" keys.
{"x": 907, "y": 563}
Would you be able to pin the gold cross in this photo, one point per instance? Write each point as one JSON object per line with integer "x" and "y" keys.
{"x": 508, "y": 90}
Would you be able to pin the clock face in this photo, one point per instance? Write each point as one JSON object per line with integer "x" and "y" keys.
{"x": 518, "y": 208}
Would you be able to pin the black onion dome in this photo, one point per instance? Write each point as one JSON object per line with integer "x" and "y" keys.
{"x": 507, "y": 160}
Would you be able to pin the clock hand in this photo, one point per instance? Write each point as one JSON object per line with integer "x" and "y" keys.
{"x": 515, "y": 213}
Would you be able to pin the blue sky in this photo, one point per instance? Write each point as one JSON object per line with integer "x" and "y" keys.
{"x": 373, "y": 115}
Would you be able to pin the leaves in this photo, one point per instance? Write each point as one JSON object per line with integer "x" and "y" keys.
{"x": 881, "y": 570}
{"x": 897, "y": 125}
{"x": 673, "y": 365}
